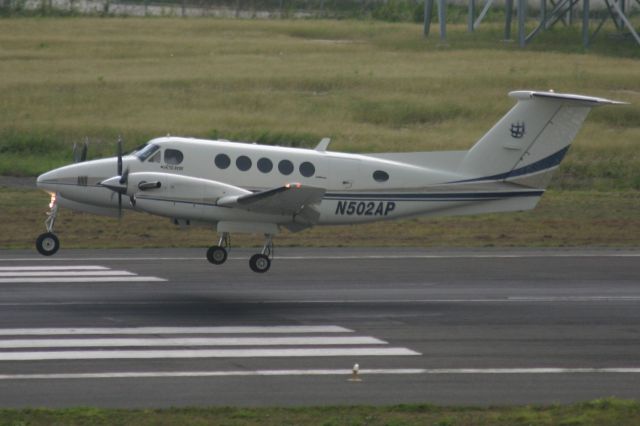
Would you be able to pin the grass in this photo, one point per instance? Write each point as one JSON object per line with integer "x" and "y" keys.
{"x": 609, "y": 411}
{"x": 562, "y": 219}
{"x": 371, "y": 86}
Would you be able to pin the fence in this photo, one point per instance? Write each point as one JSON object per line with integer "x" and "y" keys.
{"x": 399, "y": 10}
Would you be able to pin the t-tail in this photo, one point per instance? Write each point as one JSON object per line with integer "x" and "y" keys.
{"x": 529, "y": 142}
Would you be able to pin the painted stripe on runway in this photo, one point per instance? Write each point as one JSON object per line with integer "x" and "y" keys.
{"x": 53, "y": 268}
{"x": 205, "y": 353}
{"x": 277, "y": 329}
{"x": 107, "y": 273}
{"x": 190, "y": 341}
{"x": 315, "y": 372}
{"x": 49, "y": 280}
{"x": 69, "y": 274}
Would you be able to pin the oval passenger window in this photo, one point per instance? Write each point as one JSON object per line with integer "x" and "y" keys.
{"x": 265, "y": 165}
{"x": 173, "y": 156}
{"x": 307, "y": 169}
{"x": 285, "y": 167}
{"x": 380, "y": 176}
{"x": 222, "y": 161}
{"x": 243, "y": 163}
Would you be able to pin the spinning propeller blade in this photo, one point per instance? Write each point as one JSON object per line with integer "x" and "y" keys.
{"x": 75, "y": 153}
{"x": 80, "y": 156}
{"x": 119, "y": 155}
{"x": 85, "y": 148}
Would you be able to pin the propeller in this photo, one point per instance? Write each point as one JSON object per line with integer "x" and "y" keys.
{"x": 85, "y": 148}
{"x": 119, "y": 155}
{"x": 118, "y": 183}
{"x": 79, "y": 157}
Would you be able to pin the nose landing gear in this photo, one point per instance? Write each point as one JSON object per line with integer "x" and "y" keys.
{"x": 48, "y": 244}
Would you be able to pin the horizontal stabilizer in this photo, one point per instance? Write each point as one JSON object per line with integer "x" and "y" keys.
{"x": 568, "y": 97}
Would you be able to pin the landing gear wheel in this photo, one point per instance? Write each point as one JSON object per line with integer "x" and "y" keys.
{"x": 47, "y": 244}
{"x": 216, "y": 255}
{"x": 259, "y": 263}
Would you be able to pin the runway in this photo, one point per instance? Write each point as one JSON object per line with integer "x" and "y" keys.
{"x": 158, "y": 328}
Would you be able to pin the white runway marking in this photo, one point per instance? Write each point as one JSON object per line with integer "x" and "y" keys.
{"x": 49, "y": 280}
{"x": 163, "y": 343}
{"x": 190, "y": 341}
{"x": 53, "y": 268}
{"x": 204, "y": 353}
{"x": 68, "y": 274}
{"x": 278, "y": 329}
{"x": 316, "y": 372}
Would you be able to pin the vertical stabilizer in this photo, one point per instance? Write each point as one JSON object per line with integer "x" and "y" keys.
{"x": 530, "y": 141}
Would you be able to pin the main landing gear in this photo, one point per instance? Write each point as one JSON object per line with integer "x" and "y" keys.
{"x": 259, "y": 262}
{"x": 48, "y": 244}
{"x": 218, "y": 254}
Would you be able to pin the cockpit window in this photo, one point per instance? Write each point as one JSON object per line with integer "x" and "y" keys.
{"x": 173, "y": 156}
{"x": 155, "y": 158}
{"x": 146, "y": 152}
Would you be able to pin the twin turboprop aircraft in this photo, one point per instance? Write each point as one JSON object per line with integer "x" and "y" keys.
{"x": 250, "y": 188}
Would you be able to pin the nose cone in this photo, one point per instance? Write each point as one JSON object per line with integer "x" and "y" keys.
{"x": 78, "y": 175}
{"x": 52, "y": 180}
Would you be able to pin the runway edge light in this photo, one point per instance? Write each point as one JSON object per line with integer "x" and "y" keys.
{"x": 354, "y": 374}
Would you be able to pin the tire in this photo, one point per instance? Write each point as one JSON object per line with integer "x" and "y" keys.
{"x": 216, "y": 255}
{"x": 259, "y": 263}
{"x": 47, "y": 244}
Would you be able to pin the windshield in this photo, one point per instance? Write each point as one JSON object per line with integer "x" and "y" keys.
{"x": 146, "y": 152}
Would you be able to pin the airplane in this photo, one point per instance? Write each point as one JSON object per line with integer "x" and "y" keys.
{"x": 258, "y": 189}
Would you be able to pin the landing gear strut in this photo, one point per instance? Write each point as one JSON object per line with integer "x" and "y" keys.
{"x": 48, "y": 244}
{"x": 218, "y": 254}
{"x": 261, "y": 262}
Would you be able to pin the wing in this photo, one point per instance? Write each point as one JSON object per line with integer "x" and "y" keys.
{"x": 291, "y": 199}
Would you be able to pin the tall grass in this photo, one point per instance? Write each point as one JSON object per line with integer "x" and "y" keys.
{"x": 371, "y": 86}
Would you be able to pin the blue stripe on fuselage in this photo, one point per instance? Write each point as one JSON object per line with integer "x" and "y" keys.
{"x": 433, "y": 196}
{"x": 540, "y": 165}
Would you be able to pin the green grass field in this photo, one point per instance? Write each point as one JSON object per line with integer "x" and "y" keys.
{"x": 562, "y": 219}
{"x": 595, "y": 413}
{"x": 371, "y": 86}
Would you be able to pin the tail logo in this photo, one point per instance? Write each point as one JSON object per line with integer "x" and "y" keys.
{"x": 517, "y": 130}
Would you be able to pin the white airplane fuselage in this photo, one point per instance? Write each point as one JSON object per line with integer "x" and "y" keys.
{"x": 246, "y": 187}
{"x": 352, "y": 194}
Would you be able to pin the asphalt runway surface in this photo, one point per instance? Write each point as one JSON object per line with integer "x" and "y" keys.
{"x": 159, "y": 328}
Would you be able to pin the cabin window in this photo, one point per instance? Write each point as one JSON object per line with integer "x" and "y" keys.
{"x": 380, "y": 176}
{"x": 222, "y": 161}
{"x": 243, "y": 163}
{"x": 285, "y": 167}
{"x": 146, "y": 152}
{"x": 155, "y": 158}
{"x": 265, "y": 165}
{"x": 307, "y": 169}
{"x": 173, "y": 156}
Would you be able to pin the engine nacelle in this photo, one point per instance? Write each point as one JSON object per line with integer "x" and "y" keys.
{"x": 179, "y": 188}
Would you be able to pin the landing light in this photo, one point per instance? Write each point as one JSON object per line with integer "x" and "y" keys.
{"x": 53, "y": 200}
